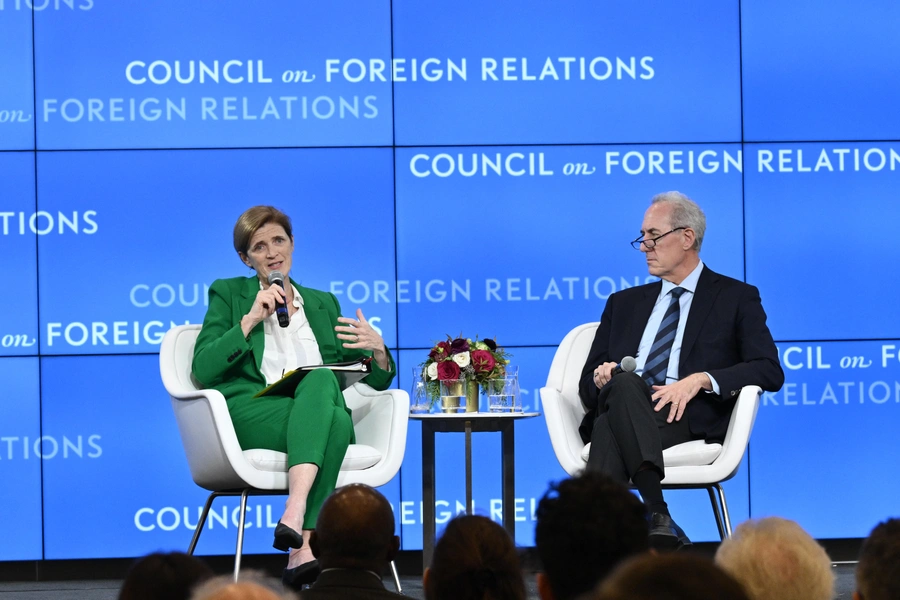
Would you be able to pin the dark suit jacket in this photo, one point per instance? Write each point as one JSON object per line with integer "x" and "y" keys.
{"x": 227, "y": 361}
{"x": 726, "y": 336}
{"x": 347, "y": 583}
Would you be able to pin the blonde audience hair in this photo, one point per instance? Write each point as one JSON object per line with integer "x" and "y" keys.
{"x": 250, "y": 587}
{"x": 776, "y": 558}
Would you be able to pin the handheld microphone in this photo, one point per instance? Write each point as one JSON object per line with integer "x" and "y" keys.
{"x": 628, "y": 365}
{"x": 276, "y": 278}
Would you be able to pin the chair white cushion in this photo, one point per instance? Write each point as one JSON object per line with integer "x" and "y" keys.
{"x": 689, "y": 454}
{"x": 358, "y": 457}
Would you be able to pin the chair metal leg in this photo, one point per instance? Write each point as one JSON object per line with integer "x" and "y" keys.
{"x": 724, "y": 509}
{"x": 240, "y": 536}
{"x": 396, "y": 578}
{"x": 715, "y": 506}
{"x": 201, "y": 522}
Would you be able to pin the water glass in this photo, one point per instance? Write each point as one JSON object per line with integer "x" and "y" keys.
{"x": 453, "y": 395}
{"x": 419, "y": 403}
{"x": 503, "y": 393}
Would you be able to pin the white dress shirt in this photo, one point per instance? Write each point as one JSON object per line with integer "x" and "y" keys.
{"x": 656, "y": 316}
{"x": 287, "y": 348}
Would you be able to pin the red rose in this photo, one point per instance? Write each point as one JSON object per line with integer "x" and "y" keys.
{"x": 440, "y": 351}
{"x": 448, "y": 370}
{"x": 483, "y": 361}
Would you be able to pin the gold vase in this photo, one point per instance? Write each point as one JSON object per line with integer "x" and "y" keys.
{"x": 472, "y": 396}
{"x": 452, "y": 393}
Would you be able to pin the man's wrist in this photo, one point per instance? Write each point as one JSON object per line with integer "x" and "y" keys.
{"x": 703, "y": 379}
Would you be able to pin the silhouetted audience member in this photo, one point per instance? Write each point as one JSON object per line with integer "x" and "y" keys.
{"x": 878, "y": 571}
{"x": 585, "y": 527}
{"x": 776, "y": 558}
{"x": 164, "y": 576}
{"x": 681, "y": 576}
{"x": 250, "y": 587}
{"x": 353, "y": 541}
{"x": 475, "y": 559}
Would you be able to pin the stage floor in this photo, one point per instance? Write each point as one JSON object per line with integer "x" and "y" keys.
{"x": 108, "y": 589}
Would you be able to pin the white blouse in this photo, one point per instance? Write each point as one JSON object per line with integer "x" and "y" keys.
{"x": 287, "y": 348}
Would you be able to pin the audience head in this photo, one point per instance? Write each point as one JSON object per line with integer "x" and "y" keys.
{"x": 355, "y": 530}
{"x": 162, "y": 576}
{"x": 586, "y": 526}
{"x": 474, "y": 559}
{"x": 672, "y": 576}
{"x": 776, "y": 558}
{"x": 878, "y": 571}
{"x": 250, "y": 587}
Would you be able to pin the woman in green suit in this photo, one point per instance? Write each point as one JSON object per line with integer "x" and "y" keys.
{"x": 241, "y": 349}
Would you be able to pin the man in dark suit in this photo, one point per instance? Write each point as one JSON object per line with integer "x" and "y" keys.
{"x": 353, "y": 541}
{"x": 698, "y": 337}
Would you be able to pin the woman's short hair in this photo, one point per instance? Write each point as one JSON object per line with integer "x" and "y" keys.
{"x": 776, "y": 558}
{"x": 254, "y": 218}
{"x": 253, "y": 585}
{"x": 162, "y": 576}
{"x": 475, "y": 559}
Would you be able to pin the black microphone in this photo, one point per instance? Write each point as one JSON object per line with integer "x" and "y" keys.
{"x": 628, "y": 365}
{"x": 276, "y": 278}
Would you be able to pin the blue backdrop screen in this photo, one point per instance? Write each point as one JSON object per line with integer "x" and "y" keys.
{"x": 210, "y": 74}
{"x": 450, "y": 168}
{"x": 16, "y": 73}
{"x": 501, "y": 73}
{"x": 819, "y": 71}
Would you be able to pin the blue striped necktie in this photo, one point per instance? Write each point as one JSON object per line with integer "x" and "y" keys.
{"x": 657, "y": 364}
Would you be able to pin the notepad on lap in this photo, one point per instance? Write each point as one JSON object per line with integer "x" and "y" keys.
{"x": 347, "y": 374}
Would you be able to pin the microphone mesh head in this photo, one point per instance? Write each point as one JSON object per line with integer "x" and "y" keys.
{"x": 275, "y": 276}
{"x": 629, "y": 364}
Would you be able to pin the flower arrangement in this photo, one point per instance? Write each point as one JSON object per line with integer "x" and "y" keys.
{"x": 461, "y": 358}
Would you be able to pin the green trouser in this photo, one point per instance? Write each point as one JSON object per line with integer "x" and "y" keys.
{"x": 312, "y": 427}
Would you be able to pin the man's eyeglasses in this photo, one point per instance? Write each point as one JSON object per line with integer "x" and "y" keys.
{"x": 650, "y": 244}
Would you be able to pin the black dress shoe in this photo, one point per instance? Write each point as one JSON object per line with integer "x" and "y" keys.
{"x": 286, "y": 538}
{"x": 665, "y": 534}
{"x": 299, "y": 577}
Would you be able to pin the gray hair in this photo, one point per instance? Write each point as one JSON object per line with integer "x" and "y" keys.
{"x": 685, "y": 213}
{"x": 776, "y": 558}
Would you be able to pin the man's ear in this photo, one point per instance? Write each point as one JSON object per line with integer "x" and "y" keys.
{"x": 689, "y": 238}
{"x": 543, "y": 586}
{"x": 394, "y": 548}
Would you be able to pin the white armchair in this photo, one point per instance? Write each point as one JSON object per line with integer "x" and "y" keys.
{"x": 218, "y": 463}
{"x": 693, "y": 464}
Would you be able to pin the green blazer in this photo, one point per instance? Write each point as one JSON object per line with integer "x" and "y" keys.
{"x": 227, "y": 361}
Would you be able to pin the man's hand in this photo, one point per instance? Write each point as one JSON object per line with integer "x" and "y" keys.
{"x": 677, "y": 395}
{"x": 603, "y": 373}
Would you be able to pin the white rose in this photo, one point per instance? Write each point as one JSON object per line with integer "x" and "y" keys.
{"x": 462, "y": 359}
{"x": 431, "y": 371}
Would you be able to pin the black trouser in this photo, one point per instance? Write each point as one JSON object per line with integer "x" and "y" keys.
{"x": 629, "y": 433}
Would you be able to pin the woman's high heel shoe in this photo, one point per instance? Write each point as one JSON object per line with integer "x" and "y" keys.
{"x": 286, "y": 538}
{"x": 297, "y": 577}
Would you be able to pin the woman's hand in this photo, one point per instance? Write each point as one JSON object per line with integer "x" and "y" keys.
{"x": 358, "y": 334}
{"x": 263, "y": 307}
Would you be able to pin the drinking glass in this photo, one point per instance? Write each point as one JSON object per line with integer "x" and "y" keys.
{"x": 503, "y": 393}
{"x": 419, "y": 401}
